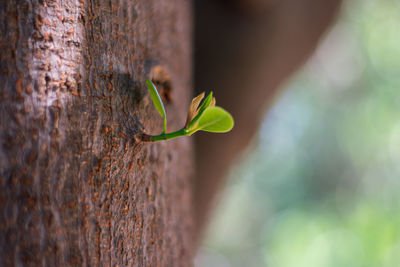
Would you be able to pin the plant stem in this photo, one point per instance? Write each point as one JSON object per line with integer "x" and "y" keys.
{"x": 164, "y": 136}
{"x": 164, "y": 126}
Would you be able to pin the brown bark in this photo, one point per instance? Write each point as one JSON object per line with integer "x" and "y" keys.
{"x": 76, "y": 188}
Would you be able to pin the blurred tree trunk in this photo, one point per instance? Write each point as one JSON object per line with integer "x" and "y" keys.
{"x": 76, "y": 188}
{"x": 244, "y": 50}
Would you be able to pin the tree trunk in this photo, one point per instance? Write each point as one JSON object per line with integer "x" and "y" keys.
{"x": 76, "y": 187}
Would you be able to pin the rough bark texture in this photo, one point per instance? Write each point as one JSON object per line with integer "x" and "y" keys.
{"x": 76, "y": 188}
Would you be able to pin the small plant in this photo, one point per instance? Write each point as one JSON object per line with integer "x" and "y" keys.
{"x": 201, "y": 117}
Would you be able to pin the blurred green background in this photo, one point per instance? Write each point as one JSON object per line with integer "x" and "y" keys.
{"x": 320, "y": 185}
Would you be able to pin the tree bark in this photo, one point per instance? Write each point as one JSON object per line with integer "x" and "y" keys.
{"x": 76, "y": 187}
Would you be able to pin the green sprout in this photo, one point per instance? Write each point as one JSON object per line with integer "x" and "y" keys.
{"x": 203, "y": 115}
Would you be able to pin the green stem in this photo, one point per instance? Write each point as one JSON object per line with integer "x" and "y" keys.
{"x": 164, "y": 136}
{"x": 164, "y": 126}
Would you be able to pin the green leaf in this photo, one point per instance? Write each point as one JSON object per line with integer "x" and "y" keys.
{"x": 155, "y": 97}
{"x": 206, "y": 103}
{"x": 216, "y": 120}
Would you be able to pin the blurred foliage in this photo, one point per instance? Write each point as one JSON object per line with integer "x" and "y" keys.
{"x": 320, "y": 186}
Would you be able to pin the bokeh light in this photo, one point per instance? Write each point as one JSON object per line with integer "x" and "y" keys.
{"x": 320, "y": 184}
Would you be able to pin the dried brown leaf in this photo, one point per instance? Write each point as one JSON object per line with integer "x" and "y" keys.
{"x": 193, "y": 108}
{"x": 212, "y": 104}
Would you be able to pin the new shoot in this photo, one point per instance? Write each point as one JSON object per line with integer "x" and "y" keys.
{"x": 203, "y": 115}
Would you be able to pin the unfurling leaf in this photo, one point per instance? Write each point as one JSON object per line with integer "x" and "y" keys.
{"x": 193, "y": 108}
{"x": 155, "y": 97}
{"x": 206, "y": 103}
{"x": 216, "y": 120}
